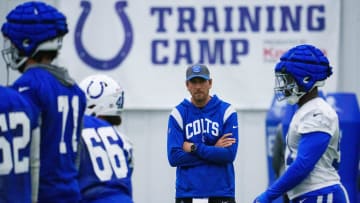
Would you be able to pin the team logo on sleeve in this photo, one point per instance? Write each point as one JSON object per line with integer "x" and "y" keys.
{"x": 93, "y": 61}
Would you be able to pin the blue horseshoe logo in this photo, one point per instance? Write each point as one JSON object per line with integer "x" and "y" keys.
{"x": 98, "y": 95}
{"x": 120, "y": 56}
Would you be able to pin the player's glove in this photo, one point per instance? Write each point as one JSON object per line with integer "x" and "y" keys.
{"x": 262, "y": 198}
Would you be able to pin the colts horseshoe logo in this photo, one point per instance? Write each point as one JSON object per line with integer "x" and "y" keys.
{"x": 122, "y": 53}
{"x": 100, "y": 93}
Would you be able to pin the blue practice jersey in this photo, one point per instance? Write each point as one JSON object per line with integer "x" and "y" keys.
{"x": 62, "y": 105}
{"x": 17, "y": 120}
{"x": 105, "y": 163}
{"x": 209, "y": 172}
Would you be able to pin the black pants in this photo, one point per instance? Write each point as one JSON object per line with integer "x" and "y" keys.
{"x": 211, "y": 200}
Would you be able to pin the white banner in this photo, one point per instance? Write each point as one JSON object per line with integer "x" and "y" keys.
{"x": 147, "y": 45}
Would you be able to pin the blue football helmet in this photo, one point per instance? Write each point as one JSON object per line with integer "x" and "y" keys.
{"x": 105, "y": 97}
{"x": 32, "y": 27}
{"x": 300, "y": 70}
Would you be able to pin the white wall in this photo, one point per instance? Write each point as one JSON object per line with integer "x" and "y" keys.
{"x": 349, "y": 73}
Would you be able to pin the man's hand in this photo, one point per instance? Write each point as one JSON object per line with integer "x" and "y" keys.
{"x": 262, "y": 198}
{"x": 187, "y": 146}
{"x": 225, "y": 140}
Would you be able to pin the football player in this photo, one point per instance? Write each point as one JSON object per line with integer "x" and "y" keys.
{"x": 33, "y": 34}
{"x": 312, "y": 153}
{"x": 106, "y": 162}
{"x": 18, "y": 121}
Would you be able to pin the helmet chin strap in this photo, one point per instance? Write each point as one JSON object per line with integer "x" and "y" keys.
{"x": 20, "y": 63}
{"x": 7, "y": 75}
{"x": 295, "y": 95}
{"x": 292, "y": 99}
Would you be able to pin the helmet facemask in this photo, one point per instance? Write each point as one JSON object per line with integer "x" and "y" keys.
{"x": 12, "y": 56}
{"x": 286, "y": 88}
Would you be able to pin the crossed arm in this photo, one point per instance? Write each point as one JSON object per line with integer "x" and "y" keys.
{"x": 224, "y": 141}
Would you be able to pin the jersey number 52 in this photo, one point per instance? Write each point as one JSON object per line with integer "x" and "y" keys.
{"x": 10, "y": 149}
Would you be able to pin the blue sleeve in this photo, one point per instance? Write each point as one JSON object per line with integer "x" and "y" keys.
{"x": 221, "y": 155}
{"x": 311, "y": 148}
{"x": 175, "y": 140}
